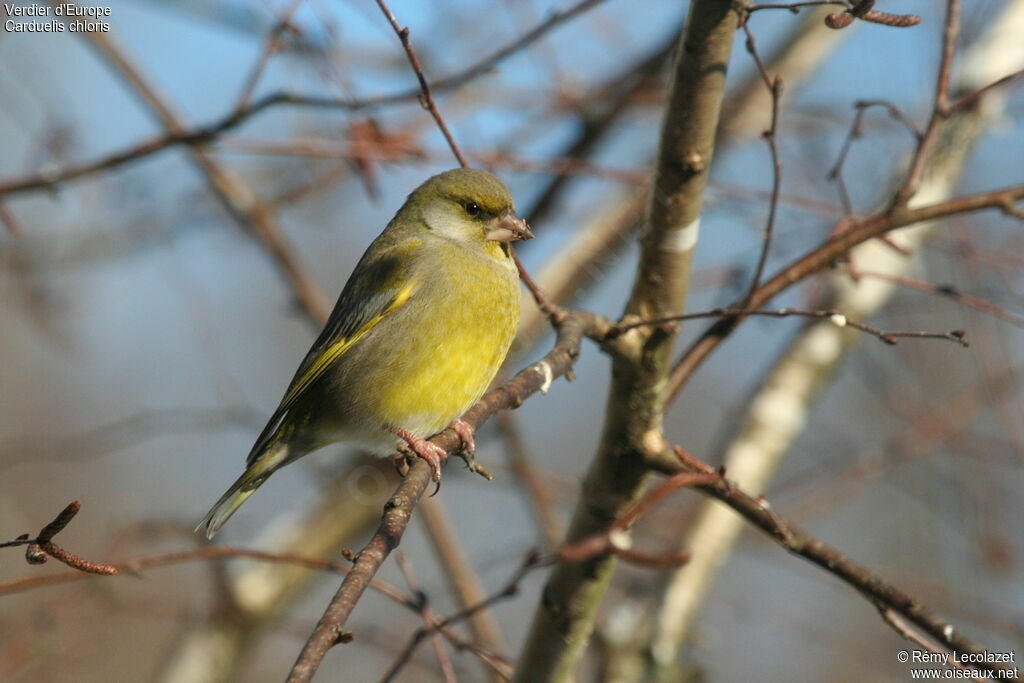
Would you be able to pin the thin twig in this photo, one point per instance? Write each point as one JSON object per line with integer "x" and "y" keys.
{"x": 950, "y": 292}
{"x": 532, "y": 561}
{"x": 42, "y": 546}
{"x": 872, "y": 587}
{"x": 443, "y": 660}
{"x": 458, "y": 573}
{"x": 50, "y": 177}
{"x": 837, "y": 317}
{"x": 270, "y": 46}
{"x": 427, "y": 98}
{"x": 819, "y": 258}
{"x": 774, "y": 86}
{"x": 795, "y": 7}
{"x": 971, "y": 98}
{"x": 940, "y": 108}
{"x": 835, "y": 173}
{"x": 551, "y": 310}
{"x": 206, "y": 552}
{"x": 862, "y": 9}
{"x": 615, "y": 540}
{"x": 856, "y": 9}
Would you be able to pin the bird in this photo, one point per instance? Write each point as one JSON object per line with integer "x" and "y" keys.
{"x": 417, "y": 335}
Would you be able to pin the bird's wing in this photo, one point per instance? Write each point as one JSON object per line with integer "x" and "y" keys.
{"x": 378, "y": 287}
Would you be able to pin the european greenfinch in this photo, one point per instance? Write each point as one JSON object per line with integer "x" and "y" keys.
{"x": 417, "y": 335}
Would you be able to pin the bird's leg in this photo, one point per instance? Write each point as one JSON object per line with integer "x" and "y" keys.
{"x": 433, "y": 454}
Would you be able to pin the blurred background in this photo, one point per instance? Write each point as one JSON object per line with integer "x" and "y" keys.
{"x": 148, "y": 331}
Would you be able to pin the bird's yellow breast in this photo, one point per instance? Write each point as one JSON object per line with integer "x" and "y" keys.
{"x": 466, "y": 316}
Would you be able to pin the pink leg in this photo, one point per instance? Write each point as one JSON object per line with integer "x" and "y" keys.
{"x": 465, "y": 432}
{"x": 434, "y": 455}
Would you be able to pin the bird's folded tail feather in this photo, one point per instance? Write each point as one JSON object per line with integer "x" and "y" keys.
{"x": 254, "y": 475}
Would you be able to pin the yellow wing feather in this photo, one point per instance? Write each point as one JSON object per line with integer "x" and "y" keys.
{"x": 335, "y": 350}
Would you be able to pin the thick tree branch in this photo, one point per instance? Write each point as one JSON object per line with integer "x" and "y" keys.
{"x": 563, "y": 621}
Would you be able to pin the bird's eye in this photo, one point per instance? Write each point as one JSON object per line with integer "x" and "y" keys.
{"x": 473, "y": 209}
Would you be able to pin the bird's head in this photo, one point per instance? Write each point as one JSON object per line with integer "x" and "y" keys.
{"x": 468, "y": 206}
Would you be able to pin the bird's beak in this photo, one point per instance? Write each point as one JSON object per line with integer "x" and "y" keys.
{"x": 508, "y": 227}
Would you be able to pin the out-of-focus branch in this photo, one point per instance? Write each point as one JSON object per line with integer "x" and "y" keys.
{"x": 778, "y": 410}
{"x": 9, "y": 221}
{"x": 443, "y": 660}
{"x": 940, "y": 109}
{"x": 537, "y": 491}
{"x": 583, "y": 259}
{"x": 818, "y": 259}
{"x": 209, "y": 552}
{"x": 882, "y": 594}
{"x": 598, "y": 116}
{"x": 257, "y": 595}
{"x": 833, "y": 315}
{"x": 271, "y": 44}
{"x": 49, "y": 178}
{"x": 616, "y": 540}
{"x": 563, "y": 621}
{"x": 240, "y": 201}
{"x": 458, "y": 573}
{"x": 499, "y": 666}
{"x": 209, "y": 669}
{"x": 398, "y": 510}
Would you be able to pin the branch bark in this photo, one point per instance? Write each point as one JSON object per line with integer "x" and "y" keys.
{"x": 633, "y": 420}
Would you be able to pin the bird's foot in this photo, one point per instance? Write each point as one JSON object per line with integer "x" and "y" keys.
{"x": 433, "y": 454}
{"x": 401, "y": 461}
{"x": 465, "y": 432}
{"x": 468, "y": 450}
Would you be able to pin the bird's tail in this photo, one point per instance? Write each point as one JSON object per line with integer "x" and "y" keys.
{"x": 255, "y": 474}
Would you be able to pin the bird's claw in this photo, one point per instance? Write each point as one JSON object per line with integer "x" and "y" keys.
{"x": 465, "y": 432}
{"x": 401, "y": 460}
{"x": 468, "y": 450}
{"x": 433, "y": 454}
